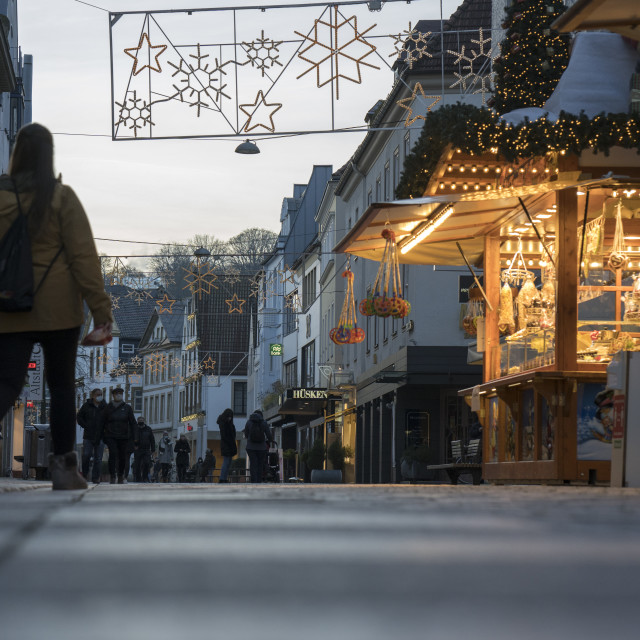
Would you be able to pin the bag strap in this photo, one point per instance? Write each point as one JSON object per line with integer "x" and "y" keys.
{"x": 21, "y": 212}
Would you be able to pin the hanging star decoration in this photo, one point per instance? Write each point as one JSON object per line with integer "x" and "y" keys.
{"x": 165, "y": 300}
{"x": 287, "y": 275}
{"x": 410, "y": 45}
{"x": 346, "y": 46}
{"x": 132, "y": 52}
{"x": 208, "y": 364}
{"x": 200, "y": 82}
{"x": 252, "y": 110}
{"x": 135, "y": 113}
{"x": 235, "y": 303}
{"x": 262, "y": 53}
{"x": 472, "y": 65}
{"x": 407, "y": 103}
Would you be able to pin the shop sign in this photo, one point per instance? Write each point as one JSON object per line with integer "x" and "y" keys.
{"x": 308, "y": 394}
{"x": 275, "y": 349}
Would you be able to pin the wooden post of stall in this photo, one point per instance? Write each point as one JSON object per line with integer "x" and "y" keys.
{"x": 491, "y": 368}
{"x": 566, "y": 328}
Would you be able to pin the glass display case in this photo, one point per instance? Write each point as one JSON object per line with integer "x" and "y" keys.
{"x": 527, "y": 349}
{"x": 598, "y": 340}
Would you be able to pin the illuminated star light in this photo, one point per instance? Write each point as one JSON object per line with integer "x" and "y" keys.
{"x": 130, "y": 52}
{"x": 407, "y": 103}
{"x": 260, "y": 99}
{"x": 235, "y": 304}
{"x": 168, "y": 301}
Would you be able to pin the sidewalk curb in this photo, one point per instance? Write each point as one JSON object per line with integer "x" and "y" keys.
{"x": 22, "y": 485}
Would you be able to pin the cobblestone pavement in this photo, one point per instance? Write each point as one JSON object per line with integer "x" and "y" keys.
{"x": 314, "y": 561}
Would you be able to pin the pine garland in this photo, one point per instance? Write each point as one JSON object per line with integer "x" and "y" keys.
{"x": 478, "y": 130}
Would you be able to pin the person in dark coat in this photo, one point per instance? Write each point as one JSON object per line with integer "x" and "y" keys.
{"x": 165, "y": 455}
{"x": 208, "y": 465}
{"x": 90, "y": 418}
{"x": 118, "y": 427}
{"x": 144, "y": 444}
{"x": 228, "y": 444}
{"x": 182, "y": 451}
{"x": 258, "y": 436}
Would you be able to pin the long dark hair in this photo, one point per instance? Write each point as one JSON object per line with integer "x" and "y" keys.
{"x": 33, "y": 155}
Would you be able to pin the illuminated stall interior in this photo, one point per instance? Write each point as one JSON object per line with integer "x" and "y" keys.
{"x": 557, "y": 242}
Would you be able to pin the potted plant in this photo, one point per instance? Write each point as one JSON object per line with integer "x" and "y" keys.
{"x": 414, "y": 463}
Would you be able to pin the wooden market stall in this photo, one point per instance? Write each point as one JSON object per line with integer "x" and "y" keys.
{"x": 558, "y": 241}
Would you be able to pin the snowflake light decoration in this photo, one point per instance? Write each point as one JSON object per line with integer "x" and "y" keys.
{"x": 200, "y": 278}
{"x": 231, "y": 277}
{"x": 337, "y": 44}
{"x": 200, "y": 81}
{"x": 115, "y": 301}
{"x": 292, "y": 301}
{"x": 262, "y": 53}
{"x": 139, "y": 295}
{"x": 471, "y": 66}
{"x": 119, "y": 369}
{"x": 287, "y": 275}
{"x": 135, "y": 113}
{"x": 410, "y": 45}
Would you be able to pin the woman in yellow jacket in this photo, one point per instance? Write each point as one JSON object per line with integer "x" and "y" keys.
{"x": 56, "y": 221}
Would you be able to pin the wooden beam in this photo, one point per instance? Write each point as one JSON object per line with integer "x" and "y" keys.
{"x": 491, "y": 368}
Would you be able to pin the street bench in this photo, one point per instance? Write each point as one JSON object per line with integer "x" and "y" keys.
{"x": 463, "y": 462}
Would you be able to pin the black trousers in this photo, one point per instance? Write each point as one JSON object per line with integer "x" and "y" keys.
{"x": 118, "y": 451}
{"x": 141, "y": 465}
{"x": 59, "y": 349}
{"x": 257, "y": 459}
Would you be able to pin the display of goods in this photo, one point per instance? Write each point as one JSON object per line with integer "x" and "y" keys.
{"x": 473, "y": 313}
{"x": 386, "y": 298}
{"x": 548, "y": 295}
{"x": 347, "y": 331}
{"x": 617, "y": 257}
{"x": 529, "y": 294}
{"x": 593, "y": 243}
{"x": 506, "y": 321}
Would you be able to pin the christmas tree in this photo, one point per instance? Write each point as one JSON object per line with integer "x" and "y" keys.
{"x": 532, "y": 56}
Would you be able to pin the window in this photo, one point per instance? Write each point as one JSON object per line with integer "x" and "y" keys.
{"x": 367, "y": 331}
{"x": 290, "y": 374}
{"x": 376, "y": 320}
{"x": 126, "y": 348}
{"x": 396, "y": 168}
{"x": 407, "y": 145}
{"x": 387, "y": 182}
{"x": 309, "y": 289}
{"x": 240, "y": 397}
{"x": 161, "y": 417}
{"x": 146, "y": 409}
{"x": 385, "y": 329}
{"x": 378, "y": 189}
{"x": 308, "y": 365}
{"x": 136, "y": 399}
{"x": 290, "y": 313}
{"x": 369, "y": 197}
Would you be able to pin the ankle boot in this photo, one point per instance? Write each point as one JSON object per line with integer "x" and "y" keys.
{"x": 120, "y": 479}
{"x": 64, "y": 472}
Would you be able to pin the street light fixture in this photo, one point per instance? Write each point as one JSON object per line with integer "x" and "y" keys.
{"x": 247, "y": 148}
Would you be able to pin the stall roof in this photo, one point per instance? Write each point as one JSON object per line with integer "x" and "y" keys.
{"x": 474, "y": 216}
{"x": 621, "y": 16}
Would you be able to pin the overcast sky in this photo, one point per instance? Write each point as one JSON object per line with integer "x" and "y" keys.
{"x": 169, "y": 190}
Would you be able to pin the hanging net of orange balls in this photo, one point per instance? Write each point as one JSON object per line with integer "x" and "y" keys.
{"x": 386, "y": 298}
{"x": 347, "y": 331}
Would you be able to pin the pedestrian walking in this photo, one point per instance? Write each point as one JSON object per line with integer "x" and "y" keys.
{"x": 165, "y": 456}
{"x": 182, "y": 451}
{"x": 259, "y": 437}
{"x": 90, "y": 419}
{"x": 66, "y": 271}
{"x": 118, "y": 428}
{"x": 208, "y": 466}
{"x": 144, "y": 444}
{"x": 228, "y": 444}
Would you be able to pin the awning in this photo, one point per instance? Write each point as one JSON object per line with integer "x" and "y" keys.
{"x": 619, "y": 16}
{"x": 469, "y": 218}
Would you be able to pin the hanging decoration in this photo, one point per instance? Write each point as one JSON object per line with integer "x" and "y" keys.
{"x": 235, "y": 304}
{"x": 135, "y": 113}
{"x": 474, "y": 312}
{"x": 516, "y": 273}
{"x": 506, "y": 318}
{"x": 347, "y": 331}
{"x": 407, "y": 104}
{"x": 344, "y": 38}
{"x": 200, "y": 277}
{"x": 386, "y": 298}
{"x": 132, "y": 52}
{"x": 618, "y": 258}
{"x": 251, "y": 110}
{"x": 410, "y": 46}
{"x": 262, "y": 53}
{"x": 593, "y": 242}
{"x": 472, "y": 67}
{"x": 165, "y": 304}
{"x": 632, "y": 301}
